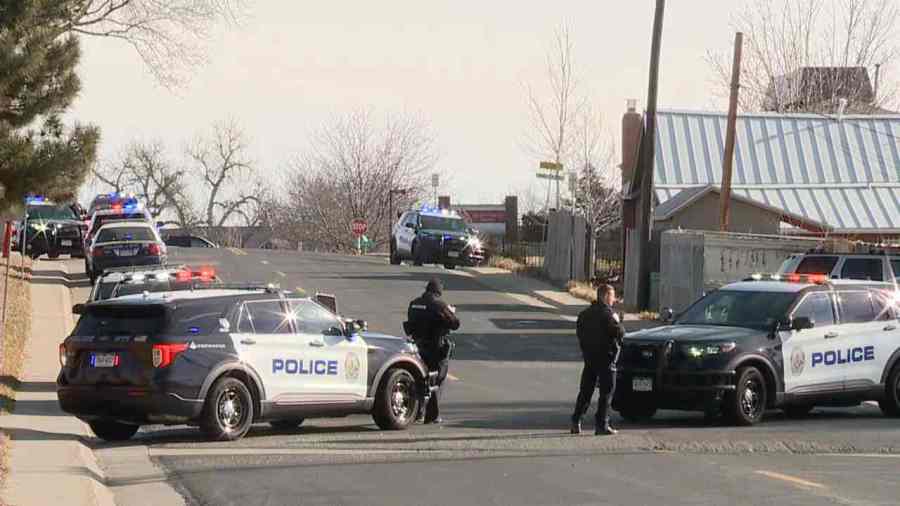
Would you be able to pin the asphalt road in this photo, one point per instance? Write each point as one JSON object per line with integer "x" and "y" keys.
{"x": 507, "y": 405}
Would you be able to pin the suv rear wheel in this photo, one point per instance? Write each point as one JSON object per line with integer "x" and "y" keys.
{"x": 228, "y": 410}
{"x": 113, "y": 431}
{"x": 397, "y": 400}
{"x": 890, "y": 405}
{"x": 747, "y": 404}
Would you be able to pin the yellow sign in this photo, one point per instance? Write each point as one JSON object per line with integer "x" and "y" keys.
{"x": 551, "y": 166}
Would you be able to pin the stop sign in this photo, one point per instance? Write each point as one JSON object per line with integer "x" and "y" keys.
{"x": 359, "y": 226}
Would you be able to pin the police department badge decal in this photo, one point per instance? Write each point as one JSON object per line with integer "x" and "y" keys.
{"x": 798, "y": 361}
{"x": 352, "y": 366}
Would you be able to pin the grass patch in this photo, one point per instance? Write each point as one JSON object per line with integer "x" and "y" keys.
{"x": 582, "y": 290}
{"x": 648, "y": 315}
{"x": 514, "y": 266}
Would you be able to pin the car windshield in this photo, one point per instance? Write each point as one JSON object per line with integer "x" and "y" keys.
{"x": 51, "y": 213}
{"x": 738, "y": 308}
{"x": 125, "y": 234}
{"x": 443, "y": 223}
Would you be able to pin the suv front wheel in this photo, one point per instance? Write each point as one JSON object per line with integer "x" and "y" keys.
{"x": 746, "y": 405}
{"x": 397, "y": 400}
{"x": 890, "y": 405}
{"x": 395, "y": 255}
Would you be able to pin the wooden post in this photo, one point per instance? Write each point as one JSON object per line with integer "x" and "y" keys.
{"x": 728, "y": 158}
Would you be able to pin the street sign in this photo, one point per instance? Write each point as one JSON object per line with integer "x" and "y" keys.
{"x": 552, "y": 177}
{"x": 556, "y": 167}
{"x": 359, "y": 227}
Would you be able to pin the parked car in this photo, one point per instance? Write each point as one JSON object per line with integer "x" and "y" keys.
{"x": 124, "y": 244}
{"x": 883, "y": 267}
{"x": 189, "y": 241}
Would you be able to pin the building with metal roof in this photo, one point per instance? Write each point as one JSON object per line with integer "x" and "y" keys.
{"x": 841, "y": 174}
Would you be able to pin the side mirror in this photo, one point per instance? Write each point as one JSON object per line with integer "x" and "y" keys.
{"x": 410, "y": 226}
{"x": 667, "y": 315}
{"x": 78, "y": 309}
{"x": 362, "y": 324}
{"x": 160, "y": 224}
{"x": 327, "y": 301}
{"x": 354, "y": 327}
{"x": 802, "y": 323}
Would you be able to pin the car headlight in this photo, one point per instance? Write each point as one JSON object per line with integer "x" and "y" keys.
{"x": 474, "y": 243}
{"x": 707, "y": 349}
{"x": 40, "y": 227}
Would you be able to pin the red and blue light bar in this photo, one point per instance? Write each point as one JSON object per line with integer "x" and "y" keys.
{"x": 815, "y": 279}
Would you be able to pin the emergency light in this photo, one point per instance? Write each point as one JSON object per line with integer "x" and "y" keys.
{"x": 816, "y": 279}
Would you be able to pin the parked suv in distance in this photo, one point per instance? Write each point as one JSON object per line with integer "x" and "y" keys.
{"x": 865, "y": 267}
{"x": 226, "y": 356}
{"x": 438, "y": 236}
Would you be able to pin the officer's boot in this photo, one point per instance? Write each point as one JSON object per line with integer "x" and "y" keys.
{"x": 576, "y": 427}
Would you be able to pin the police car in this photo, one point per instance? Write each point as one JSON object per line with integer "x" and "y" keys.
{"x": 49, "y": 228}
{"x": 228, "y": 356}
{"x": 430, "y": 235}
{"x": 123, "y": 244}
{"x": 789, "y": 342}
{"x": 118, "y": 282}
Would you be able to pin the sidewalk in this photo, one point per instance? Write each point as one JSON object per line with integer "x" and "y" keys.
{"x": 49, "y": 462}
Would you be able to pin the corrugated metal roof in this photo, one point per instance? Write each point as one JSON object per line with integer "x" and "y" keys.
{"x": 843, "y": 173}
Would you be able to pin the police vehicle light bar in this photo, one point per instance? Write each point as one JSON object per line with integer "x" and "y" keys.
{"x": 816, "y": 279}
{"x": 35, "y": 199}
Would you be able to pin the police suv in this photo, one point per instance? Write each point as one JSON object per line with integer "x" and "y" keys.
{"x": 49, "y": 228}
{"x": 789, "y": 342}
{"x": 440, "y": 236}
{"x": 121, "y": 281}
{"x": 228, "y": 356}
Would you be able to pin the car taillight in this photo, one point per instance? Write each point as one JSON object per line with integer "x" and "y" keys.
{"x": 154, "y": 249}
{"x": 63, "y": 358}
{"x": 97, "y": 252}
{"x": 164, "y": 354}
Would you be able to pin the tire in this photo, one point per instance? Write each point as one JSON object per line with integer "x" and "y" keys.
{"x": 286, "y": 424}
{"x": 228, "y": 410}
{"x": 890, "y": 405}
{"x": 395, "y": 255}
{"x": 397, "y": 401}
{"x": 113, "y": 431}
{"x": 798, "y": 410}
{"x": 636, "y": 413}
{"x": 747, "y": 404}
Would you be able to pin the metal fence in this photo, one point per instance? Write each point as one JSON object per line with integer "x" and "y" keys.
{"x": 529, "y": 254}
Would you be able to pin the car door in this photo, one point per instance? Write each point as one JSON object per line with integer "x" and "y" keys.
{"x": 338, "y": 364}
{"x": 857, "y": 355}
{"x": 804, "y": 351}
{"x": 265, "y": 340}
{"x": 878, "y": 337}
{"x": 406, "y": 233}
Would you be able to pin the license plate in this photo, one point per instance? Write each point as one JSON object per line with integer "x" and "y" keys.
{"x": 103, "y": 360}
{"x": 65, "y": 242}
{"x": 129, "y": 252}
{"x": 642, "y": 384}
{"x": 453, "y": 254}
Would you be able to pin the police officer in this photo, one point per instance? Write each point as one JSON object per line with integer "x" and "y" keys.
{"x": 430, "y": 321}
{"x": 600, "y": 336}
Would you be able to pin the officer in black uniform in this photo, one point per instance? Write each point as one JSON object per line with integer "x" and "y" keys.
{"x": 600, "y": 336}
{"x": 430, "y": 321}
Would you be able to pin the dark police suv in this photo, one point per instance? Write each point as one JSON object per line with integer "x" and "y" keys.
{"x": 49, "y": 228}
{"x": 440, "y": 236}
{"x": 228, "y": 356}
{"x": 789, "y": 342}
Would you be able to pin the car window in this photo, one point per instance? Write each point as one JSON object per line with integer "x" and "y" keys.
{"x": 818, "y": 308}
{"x": 311, "y": 318}
{"x": 267, "y": 317}
{"x": 895, "y": 266}
{"x": 885, "y": 304}
{"x": 198, "y": 243}
{"x": 856, "y": 307}
{"x": 871, "y": 269}
{"x": 125, "y": 234}
{"x": 51, "y": 213}
{"x": 443, "y": 223}
{"x": 118, "y": 320}
{"x": 409, "y": 219}
{"x": 817, "y": 265}
{"x": 739, "y": 308}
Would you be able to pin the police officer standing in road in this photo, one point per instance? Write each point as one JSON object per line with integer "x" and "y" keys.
{"x": 600, "y": 336}
{"x": 430, "y": 320}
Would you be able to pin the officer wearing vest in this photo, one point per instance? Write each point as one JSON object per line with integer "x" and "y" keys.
{"x": 600, "y": 336}
{"x": 430, "y": 320}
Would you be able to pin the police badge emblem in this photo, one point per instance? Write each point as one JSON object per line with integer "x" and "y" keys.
{"x": 798, "y": 361}
{"x": 352, "y": 366}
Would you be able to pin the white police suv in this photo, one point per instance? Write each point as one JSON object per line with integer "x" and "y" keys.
{"x": 789, "y": 342}
{"x": 226, "y": 356}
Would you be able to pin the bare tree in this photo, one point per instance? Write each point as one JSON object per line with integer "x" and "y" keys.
{"x": 145, "y": 171}
{"x": 168, "y": 35}
{"x": 222, "y": 166}
{"x": 553, "y": 113}
{"x": 349, "y": 171}
{"x": 598, "y": 194}
{"x": 806, "y": 55}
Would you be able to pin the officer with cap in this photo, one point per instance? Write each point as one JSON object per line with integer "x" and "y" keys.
{"x": 600, "y": 336}
{"x": 430, "y": 320}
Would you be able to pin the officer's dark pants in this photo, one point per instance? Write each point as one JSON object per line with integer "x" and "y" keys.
{"x": 435, "y": 361}
{"x": 597, "y": 374}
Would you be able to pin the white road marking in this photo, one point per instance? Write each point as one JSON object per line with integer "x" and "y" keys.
{"x": 452, "y": 377}
{"x": 568, "y": 318}
{"x": 790, "y": 479}
{"x": 281, "y": 274}
{"x": 264, "y": 262}
{"x": 237, "y": 251}
{"x": 200, "y": 452}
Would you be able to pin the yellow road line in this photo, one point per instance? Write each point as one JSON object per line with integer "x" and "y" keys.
{"x": 790, "y": 479}
{"x": 237, "y": 251}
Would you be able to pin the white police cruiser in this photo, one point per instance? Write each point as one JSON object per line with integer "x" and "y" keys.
{"x": 121, "y": 281}
{"x": 789, "y": 342}
{"x": 226, "y": 356}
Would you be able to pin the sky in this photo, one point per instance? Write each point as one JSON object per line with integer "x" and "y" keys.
{"x": 292, "y": 66}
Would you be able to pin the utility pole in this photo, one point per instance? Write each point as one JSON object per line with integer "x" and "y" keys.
{"x": 648, "y": 154}
{"x": 728, "y": 159}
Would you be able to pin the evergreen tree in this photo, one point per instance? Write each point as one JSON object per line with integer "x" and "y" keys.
{"x": 38, "y": 83}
